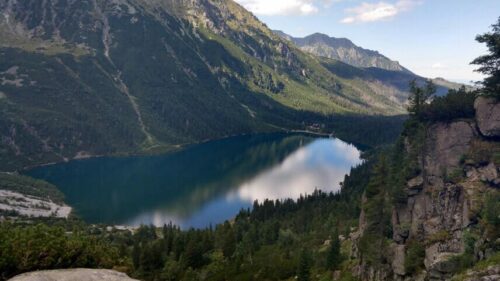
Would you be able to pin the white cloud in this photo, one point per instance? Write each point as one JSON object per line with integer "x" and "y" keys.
{"x": 328, "y": 3}
{"x": 284, "y": 7}
{"x": 438, "y": 65}
{"x": 371, "y": 12}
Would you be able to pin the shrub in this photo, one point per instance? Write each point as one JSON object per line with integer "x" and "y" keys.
{"x": 466, "y": 259}
{"x": 41, "y": 247}
{"x": 439, "y": 236}
{"x": 456, "y": 104}
{"x": 483, "y": 152}
{"x": 455, "y": 176}
{"x": 491, "y": 214}
{"x": 415, "y": 255}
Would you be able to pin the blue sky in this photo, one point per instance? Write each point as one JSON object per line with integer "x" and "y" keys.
{"x": 433, "y": 38}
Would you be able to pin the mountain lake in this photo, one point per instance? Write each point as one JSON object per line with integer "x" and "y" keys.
{"x": 203, "y": 184}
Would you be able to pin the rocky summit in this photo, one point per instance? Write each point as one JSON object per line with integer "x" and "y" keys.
{"x": 344, "y": 50}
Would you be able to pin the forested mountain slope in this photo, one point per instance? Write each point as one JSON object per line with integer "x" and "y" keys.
{"x": 81, "y": 78}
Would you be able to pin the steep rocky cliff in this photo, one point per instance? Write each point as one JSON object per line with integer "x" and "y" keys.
{"x": 441, "y": 226}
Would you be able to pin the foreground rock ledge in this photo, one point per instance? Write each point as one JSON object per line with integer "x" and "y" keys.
{"x": 78, "y": 274}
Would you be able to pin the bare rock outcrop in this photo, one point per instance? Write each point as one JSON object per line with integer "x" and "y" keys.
{"x": 445, "y": 145}
{"x": 398, "y": 262}
{"x": 488, "y": 116}
{"x": 439, "y": 207}
{"x": 78, "y": 274}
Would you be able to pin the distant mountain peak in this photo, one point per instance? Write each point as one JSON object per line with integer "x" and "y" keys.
{"x": 344, "y": 50}
{"x": 440, "y": 81}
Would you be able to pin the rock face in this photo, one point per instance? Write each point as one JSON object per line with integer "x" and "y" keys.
{"x": 488, "y": 116}
{"x": 444, "y": 200}
{"x": 398, "y": 263}
{"x": 445, "y": 145}
{"x": 437, "y": 210}
{"x": 79, "y": 274}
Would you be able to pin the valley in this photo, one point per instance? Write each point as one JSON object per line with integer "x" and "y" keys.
{"x": 134, "y": 77}
{"x": 165, "y": 140}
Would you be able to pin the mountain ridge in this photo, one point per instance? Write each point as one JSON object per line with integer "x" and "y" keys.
{"x": 328, "y": 48}
{"x": 344, "y": 50}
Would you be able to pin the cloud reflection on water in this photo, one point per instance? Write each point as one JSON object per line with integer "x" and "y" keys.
{"x": 320, "y": 165}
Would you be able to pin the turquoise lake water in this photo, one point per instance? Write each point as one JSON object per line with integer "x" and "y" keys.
{"x": 203, "y": 184}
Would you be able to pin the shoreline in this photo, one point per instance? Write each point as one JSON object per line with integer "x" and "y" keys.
{"x": 164, "y": 149}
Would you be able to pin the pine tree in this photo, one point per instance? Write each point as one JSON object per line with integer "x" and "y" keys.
{"x": 419, "y": 97}
{"x": 228, "y": 241}
{"x": 193, "y": 255}
{"x": 377, "y": 214}
{"x": 334, "y": 258}
{"x": 304, "y": 268}
{"x": 490, "y": 63}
